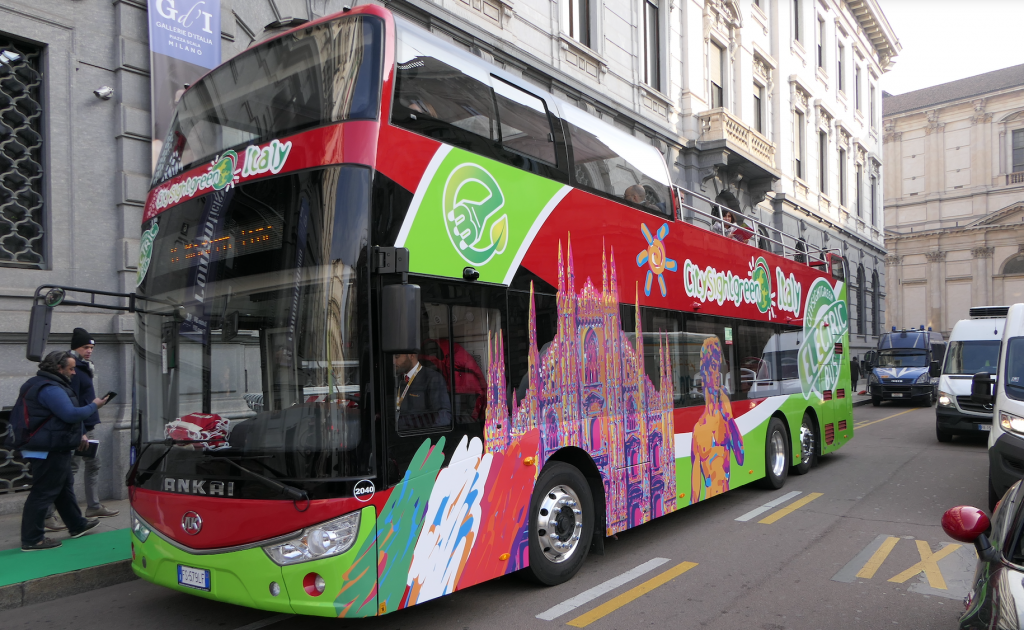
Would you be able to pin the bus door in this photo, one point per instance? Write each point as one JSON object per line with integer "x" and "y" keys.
{"x": 441, "y": 391}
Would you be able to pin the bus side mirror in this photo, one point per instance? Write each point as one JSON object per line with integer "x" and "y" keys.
{"x": 981, "y": 389}
{"x": 38, "y": 331}
{"x": 400, "y": 318}
{"x": 935, "y": 369}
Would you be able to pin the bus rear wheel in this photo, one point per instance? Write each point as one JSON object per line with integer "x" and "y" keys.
{"x": 561, "y": 523}
{"x": 808, "y": 445}
{"x": 776, "y": 455}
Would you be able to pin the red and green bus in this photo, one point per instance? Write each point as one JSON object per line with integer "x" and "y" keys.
{"x": 412, "y": 323}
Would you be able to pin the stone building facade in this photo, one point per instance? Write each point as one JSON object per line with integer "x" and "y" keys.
{"x": 954, "y": 198}
{"x": 771, "y": 107}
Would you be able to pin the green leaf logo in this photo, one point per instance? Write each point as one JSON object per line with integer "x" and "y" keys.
{"x": 761, "y": 276}
{"x": 146, "y": 252}
{"x": 825, "y": 324}
{"x": 472, "y": 201}
{"x": 224, "y": 170}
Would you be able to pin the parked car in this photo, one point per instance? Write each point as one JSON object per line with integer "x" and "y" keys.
{"x": 973, "y": 347}
{"x": 996, "y": 598}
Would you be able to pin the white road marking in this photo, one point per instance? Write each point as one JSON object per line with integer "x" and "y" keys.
{"x": 263, "y": 623}
{"x": 767, "y": 506}
{"x": 591, "y": 594}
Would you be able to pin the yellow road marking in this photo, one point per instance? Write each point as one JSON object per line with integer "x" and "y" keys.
{"x": 792, "y": 507}
{"x": 871, "y": 566}
{"x": 927, "y": 565}
{"x": 866, "y": 424}
{"x": 618, "y": 602}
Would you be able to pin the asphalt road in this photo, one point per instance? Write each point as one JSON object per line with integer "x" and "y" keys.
{"x": 859, "y": 547}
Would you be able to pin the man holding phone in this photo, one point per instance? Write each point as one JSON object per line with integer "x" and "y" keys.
{"x": 82, "y": 384}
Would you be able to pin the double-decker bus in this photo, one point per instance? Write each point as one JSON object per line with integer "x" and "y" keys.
{"x": 412, "y": 323}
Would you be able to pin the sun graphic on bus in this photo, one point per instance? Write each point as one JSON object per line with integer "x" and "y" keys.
{"x": 655, "y": 258}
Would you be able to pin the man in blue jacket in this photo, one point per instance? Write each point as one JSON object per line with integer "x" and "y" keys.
{"x": 55, "y": 430}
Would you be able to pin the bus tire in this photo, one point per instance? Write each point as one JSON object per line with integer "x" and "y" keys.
{"x": 561, "y": 524}
{"x": 776, "y": 455}
{"x": 808, "y": 445}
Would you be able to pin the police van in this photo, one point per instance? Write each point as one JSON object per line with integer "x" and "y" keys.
{"x": 973, "y": 347}
{"x": 906, "y": 366}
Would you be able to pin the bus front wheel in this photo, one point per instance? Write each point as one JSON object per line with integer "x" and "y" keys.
{"x": 561, "y": 523}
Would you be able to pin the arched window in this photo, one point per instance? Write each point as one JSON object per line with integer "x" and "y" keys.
{"x": 876, "y": 298}
{"x": 861, "y": 297}
{"x": 1014, "y": 266}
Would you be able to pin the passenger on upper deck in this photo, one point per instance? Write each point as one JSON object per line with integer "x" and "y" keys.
{"x": 735, "y": 227}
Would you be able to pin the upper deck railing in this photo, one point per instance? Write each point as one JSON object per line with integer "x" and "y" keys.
{"x": 765, "y": 236}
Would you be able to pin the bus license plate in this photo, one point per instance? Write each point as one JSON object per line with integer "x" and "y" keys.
{"x": 897, "y": 395}
{"x": 194, "y": 578}
{"x": 984, "y": 427}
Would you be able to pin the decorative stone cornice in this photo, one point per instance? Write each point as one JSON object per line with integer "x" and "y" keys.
{"x": 983, "y": 252}
{"x": 936, "y": 256}
{"x": 893, "y": 259}
{"x": 933, "y": 122}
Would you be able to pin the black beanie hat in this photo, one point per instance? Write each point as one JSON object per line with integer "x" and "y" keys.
{"x": 80, "y": 338}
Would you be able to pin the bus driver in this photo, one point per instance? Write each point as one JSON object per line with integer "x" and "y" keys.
{"x": 422, "y": 397}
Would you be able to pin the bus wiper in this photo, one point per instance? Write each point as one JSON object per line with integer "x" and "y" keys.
{"x": 293, "y": 493}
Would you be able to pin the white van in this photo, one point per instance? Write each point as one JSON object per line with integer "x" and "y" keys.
{"x": 1006, "y": 396}
{"x": 973, "y": 347}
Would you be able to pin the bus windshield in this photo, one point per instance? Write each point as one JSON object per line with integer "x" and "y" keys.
{"x": 254, "y": 342}
{"x": 971, "y": 357}
{"x": 326, "y": 73}
{"x": 901, "y": 358}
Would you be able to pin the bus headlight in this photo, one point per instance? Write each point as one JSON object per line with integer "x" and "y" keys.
{"x": 924, "y": 379}
{"x": 139, "y": 528}
{"x": 945, "y": 399}
{"x": 1011, "y": 423}
{"x": 319, "y": 541}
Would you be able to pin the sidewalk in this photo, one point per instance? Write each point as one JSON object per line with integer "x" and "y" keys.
{"x": 860, "y": 398}
{"x": 100, "y": 558}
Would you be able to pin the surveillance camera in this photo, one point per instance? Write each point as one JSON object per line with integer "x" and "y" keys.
{"x": 104, "y": 92}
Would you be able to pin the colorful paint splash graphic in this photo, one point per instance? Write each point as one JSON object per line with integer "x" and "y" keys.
{"x": 655, "y": 258}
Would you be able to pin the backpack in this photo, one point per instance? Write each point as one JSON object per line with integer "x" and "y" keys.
{"x": 21, "y": 430}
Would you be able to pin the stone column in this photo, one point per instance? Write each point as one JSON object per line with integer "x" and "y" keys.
{"x": 981, "y": 288}
{"x": 981, "y": 139}
{"x": 894, "y": 292}
{"x": 934, "y": 155}
{"x": 936, "y": 289}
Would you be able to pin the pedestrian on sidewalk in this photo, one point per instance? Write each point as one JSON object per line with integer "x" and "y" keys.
{"x": 54, "y": 431}
{"x": 82, "y": 346}
{"x": 854, "y": 372}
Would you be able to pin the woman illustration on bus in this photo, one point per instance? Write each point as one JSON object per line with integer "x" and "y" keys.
{"x": 716, "y": 437}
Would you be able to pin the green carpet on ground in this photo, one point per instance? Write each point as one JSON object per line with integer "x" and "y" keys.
{"x": 88, "y": 551}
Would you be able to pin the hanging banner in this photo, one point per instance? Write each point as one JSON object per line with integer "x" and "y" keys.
{"x": 184, "y": 44}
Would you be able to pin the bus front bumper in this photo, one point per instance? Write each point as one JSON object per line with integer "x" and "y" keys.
{"x": 248, "y": 577}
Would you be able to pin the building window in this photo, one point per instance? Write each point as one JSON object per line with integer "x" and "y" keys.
{"x": 871, "y": 106}
{"x": 858, "y": 184}
{"x": 798, "y": 144}
{"x": 876, "y": 300}
{"x": 874, "y": 181}
{"x": 758, "y": 111}
{"x": 576, "y": 21}
{"x": 839, "y": 68}
{"x": 856, "y": 87}
{"x": 821, "y": 43}
{"x": 823, "y": 161}
{"x": 861, "y": 297}
{"x": 1018, "y": 150}
{"x": 21, "y": 156}
{"x": 652, "y": 45}
{"x": 716, "y": 71}
{"x": 842, "y": 177}
{"x": 796, "y": 20}
{"x": 1014, "y": 266}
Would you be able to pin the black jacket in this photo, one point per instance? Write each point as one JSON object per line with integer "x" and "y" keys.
{"x": 426, "y": 404}
{"x": 51, "y": 432}
{"x": 81, "y": 385}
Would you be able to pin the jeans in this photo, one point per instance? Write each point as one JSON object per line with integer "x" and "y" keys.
{"x": 52, "y": 484}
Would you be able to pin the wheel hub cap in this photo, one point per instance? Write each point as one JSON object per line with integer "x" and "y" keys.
{"x": 778, "y": 457}
{"x": 559, "y": 523}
